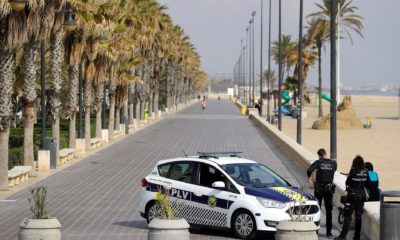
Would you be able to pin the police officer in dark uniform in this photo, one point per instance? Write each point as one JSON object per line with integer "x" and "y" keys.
{"x": 323, "y": 184}
{"x": 356, "y": 196}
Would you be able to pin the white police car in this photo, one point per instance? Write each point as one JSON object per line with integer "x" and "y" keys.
{"x": 222, "y": 190}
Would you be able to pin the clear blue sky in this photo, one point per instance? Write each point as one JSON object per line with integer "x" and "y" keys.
{"x": 216, "y": 27}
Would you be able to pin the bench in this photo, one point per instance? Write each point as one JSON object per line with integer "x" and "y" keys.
{"x": 66, "y": 154}
{"x": 95, "y": 142}
{"x": 18, "y": 174}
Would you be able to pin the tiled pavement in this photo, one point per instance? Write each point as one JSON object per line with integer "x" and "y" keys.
{"x": 97, "y": 198}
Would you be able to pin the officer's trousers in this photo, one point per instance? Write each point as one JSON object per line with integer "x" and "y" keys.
{"x": 357, "y": 207}
{"x": 327, "y": 196}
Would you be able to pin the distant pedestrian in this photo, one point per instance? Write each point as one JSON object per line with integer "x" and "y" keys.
{"x": 323, "y": 184}
{"x": 219, "y": 98}
{"x": 356, "y": 196}
{"x": 373, "y": 184}
{"x": 203, "y": 104}
{"x": 198, "y": 98}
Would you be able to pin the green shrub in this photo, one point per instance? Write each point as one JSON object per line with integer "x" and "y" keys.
{"x": 15, "y": 157}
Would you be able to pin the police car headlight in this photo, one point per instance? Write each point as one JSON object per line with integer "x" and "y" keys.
{"x": 268, "y": 203}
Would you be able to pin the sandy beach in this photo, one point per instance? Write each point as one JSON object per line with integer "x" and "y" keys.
{"x": 379, "y": 145}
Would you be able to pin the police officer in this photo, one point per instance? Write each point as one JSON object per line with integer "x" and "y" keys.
{"x": 356, "y": 196}
{"x": 323, "y": 184}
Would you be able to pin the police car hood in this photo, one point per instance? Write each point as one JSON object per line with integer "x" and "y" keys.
{"x": 281, "y": 194}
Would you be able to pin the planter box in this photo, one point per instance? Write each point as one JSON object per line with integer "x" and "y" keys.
{"x": 43, "y": 229}
{"x": 292, "y": 230}
{"x": 162, "y": 229}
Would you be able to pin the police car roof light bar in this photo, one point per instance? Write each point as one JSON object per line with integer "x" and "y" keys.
{"x": 218, "y": 154}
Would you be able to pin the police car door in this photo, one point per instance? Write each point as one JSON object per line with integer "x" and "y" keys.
{"x": 210, "y": 203}
{"x": 181, "y": 177}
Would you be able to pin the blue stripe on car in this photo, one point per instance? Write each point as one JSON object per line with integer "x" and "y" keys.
{"x": 274, "y": 195}
{"x": 221, "y": 203}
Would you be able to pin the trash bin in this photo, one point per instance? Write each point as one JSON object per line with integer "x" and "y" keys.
{"x": 390, "y": 216}
{"x": 50, "y": 143}
{"x": 146, "y": 114}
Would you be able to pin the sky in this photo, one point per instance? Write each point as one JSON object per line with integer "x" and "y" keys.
{"x": 216, "y": 27}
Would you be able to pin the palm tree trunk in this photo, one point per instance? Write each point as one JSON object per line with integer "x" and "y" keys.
{"x": 55, "y": 129}
{"x": 142, "y": 106}
{"x": 156, "y": 98}
{"x": 7, "y": 65}
{"x": 56, "y": 78}
{"x": 111, "y": 118}
{"x": 4, "y": 136}
{"x": 126, "y": 112}
{"x": 73, "y": 75}
{"x": 320, "y": 111}
{"x": 117, "y": 118}
{"x": 99, "y": 108}
{"x": 29, "y": 122}
{"x": 131, "y": 110}
{"x": 29, "y": 67}
{"x": 72, "y": 131}
{"x": 87, "y": 104}
{"x": 150, "y": 106}
{"x": 137, "y": 110}
{"x": 87, "y": 129}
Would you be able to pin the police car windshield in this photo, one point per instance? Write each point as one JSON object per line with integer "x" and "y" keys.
{"x": 253, "y": 175}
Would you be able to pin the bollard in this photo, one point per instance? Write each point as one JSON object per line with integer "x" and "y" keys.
{"x": 51, "y": 145}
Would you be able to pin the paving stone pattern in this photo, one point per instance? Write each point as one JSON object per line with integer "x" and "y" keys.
{"x": 97, "y": 198}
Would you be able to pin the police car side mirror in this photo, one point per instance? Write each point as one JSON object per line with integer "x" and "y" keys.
{"x": 219, "y": 185}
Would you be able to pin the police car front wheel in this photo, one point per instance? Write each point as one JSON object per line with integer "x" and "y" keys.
{"x": 244, "y": 225}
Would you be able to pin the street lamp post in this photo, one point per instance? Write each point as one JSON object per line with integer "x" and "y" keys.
{"x": 269, "y": 62}
{"x": 80, "y": 132}
{"x": 104, "y": 108}
{"x": 261, "y": 58}
{"x": 240, "y": 68}
{"x": 333, "y": 81}
{"x": 249, "y": 64}
{"x": 300, "y": 76}
{"x": 252, "y": 59}
{"x": 244, "y": 73}
{"x": 280, "y": 69}
{"x": 43, "y": 90}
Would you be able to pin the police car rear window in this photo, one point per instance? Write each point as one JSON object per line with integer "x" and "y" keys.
{"x": 163, "y": 169}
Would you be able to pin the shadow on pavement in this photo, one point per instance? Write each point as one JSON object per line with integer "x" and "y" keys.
{"x": 226, "y": 233}
{"x": 132, "y": 224}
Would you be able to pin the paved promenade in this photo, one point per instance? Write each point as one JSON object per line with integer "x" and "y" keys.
{"x": 97, "y": 198}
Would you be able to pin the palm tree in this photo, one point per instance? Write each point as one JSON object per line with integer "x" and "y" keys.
{"x": 13, "y": 34}
{"x": 347, "y": 19}
{"x": 288, "y": 52}
{"x": 56, "y": 77}
{"x": 270, "y": 76}
{"x": 74, "y": 45}
{"x": 39, "y": 16}
{"x": 318, "y": 34}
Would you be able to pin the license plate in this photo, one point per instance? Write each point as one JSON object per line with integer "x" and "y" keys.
{"x": 304, "y": 218}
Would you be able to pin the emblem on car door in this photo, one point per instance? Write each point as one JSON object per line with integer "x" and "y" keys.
{"x": 212, "y": 201}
